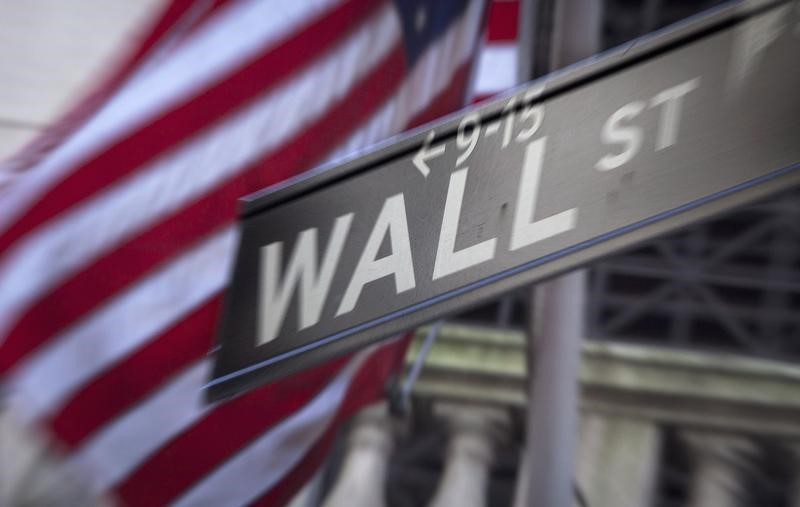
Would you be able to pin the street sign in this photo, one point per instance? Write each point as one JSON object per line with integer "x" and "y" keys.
{"x": 650, "y": 137}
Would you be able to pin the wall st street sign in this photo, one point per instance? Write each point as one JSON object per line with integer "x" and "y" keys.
{"x": 645, "y": 139}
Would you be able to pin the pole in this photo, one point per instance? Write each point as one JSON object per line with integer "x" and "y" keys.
{"x": 557, "y": 309}
{"x": 554, "y": 353}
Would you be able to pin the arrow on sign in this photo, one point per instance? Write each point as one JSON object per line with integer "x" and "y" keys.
{"x": 425, "y": 153}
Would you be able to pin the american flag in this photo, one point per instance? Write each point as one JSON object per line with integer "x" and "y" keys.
{"x": 117, "y": 230}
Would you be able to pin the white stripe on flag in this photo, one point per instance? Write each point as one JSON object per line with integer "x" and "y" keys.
{"x": 269, "y": 458}
{"x": 50, "y": 254}
{"x": 497, "y": 68}
{"x": 229, "y": 38}
{"x": 113, "y": 452}
{"x": 126, "y": 323}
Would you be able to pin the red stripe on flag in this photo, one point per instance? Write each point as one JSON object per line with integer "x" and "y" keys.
{"x": 293, "y": 482}
{"x": 253, "y": 79}
{"x": 124, "y": 385}
{"x": 221, "y": 433}
{"x": 92, "y": 286}
{"x": 482, "y": 97}
{"x": 365, "y": 388}
{"x": 209, "y": 10}
{"x": 503, "y": 21}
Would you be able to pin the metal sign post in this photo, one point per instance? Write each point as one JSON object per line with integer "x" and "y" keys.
{"x": 663, "y": 132}
{"x": 554, "y": 352}
{"x": 558, "y": 311}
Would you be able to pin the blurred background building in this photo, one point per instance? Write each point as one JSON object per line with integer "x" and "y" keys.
{"x": 50, "y": 52}
{"x": 690, "y": 381}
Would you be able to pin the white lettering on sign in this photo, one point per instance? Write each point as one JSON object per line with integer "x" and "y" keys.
{"x": 629, "y": 136}
{"x": 448, "y": 261}
{"x": 671, "y": 100}
{"x": 532, "y": 112}
{"x": 469, "y": 130}
{"x": 392, "y": 220}
{"x": 314, "y": 286}
{"x": 472, "y": 122}
{"x": 618, "y": 130}
{"x": 526, "y": 230}
{"x": 426, "y": 152}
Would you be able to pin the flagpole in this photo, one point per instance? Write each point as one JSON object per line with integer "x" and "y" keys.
{"x": 557, "y": 324}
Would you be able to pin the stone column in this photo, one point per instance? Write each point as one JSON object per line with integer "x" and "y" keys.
{"x": 617, "y": 461}
{"x": 474, "y": 432}
{"x": 363, "y": 475}
{"x": 32, "y": 473}
{"x": 721, "y": 464}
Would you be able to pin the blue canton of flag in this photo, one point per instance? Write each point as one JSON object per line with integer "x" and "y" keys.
{"x": 425, "y": 21}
